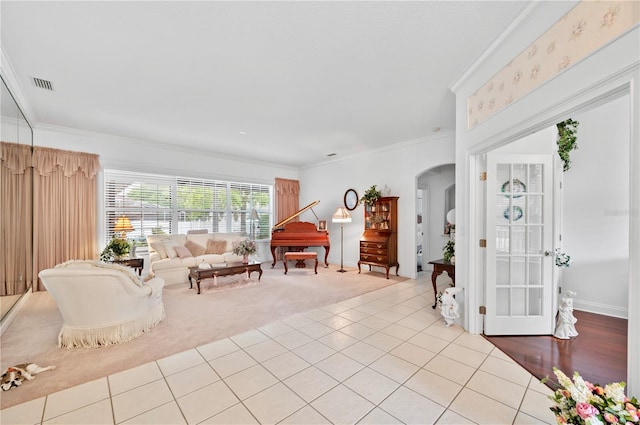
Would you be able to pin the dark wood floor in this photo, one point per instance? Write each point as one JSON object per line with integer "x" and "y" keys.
{"x": 598, "y": 353}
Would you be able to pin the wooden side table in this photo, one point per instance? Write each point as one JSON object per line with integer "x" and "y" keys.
{"x": 440, "y": 266}
{"x": 134, "y": 263}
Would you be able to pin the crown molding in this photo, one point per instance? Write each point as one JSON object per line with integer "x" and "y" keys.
{"x": 444, "y": 136}
{"x": 9, "y": 77}
{"x": 479, "y": 60}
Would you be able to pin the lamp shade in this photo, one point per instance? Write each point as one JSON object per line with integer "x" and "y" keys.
{"x": 341, "y": 216}
{"x": 254, "y": 215}
{"x": 123, "y": 225}
{"x": 451, "y": 216}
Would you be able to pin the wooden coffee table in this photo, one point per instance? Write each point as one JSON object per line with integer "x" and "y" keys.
{"x": 227, "y": 270}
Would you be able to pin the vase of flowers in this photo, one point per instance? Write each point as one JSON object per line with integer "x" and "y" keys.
{"x": 580, "y": 402}
{"x": 115, "y": 249}
{"x": 245, "y": 248}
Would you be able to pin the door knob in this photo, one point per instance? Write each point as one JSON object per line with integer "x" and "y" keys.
{"x": 548, "y": 254}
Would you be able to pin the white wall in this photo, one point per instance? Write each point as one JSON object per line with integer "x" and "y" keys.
{"x": 604, "y": 75}
{"x": 596, "y": 211}
{"x": 396, "y": 167}
{"x": 151, "y": 157}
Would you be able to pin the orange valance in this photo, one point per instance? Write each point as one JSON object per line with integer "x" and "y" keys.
{"x": 17, "y": 158}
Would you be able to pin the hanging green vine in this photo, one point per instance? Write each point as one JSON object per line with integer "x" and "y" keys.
{"x": 567, "y": 140}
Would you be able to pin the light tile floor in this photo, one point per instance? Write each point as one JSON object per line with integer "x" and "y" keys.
{"x": 384, "y": 357}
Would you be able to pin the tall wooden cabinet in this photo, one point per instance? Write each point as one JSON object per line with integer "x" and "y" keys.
{"x": 379, "y": 242}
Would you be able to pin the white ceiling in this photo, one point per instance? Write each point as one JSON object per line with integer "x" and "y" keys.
{"x": 303, "y": 79}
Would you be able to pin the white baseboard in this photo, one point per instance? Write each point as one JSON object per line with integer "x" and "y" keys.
{"x": 604, "y": 309}
{"x": 6, "y": 321}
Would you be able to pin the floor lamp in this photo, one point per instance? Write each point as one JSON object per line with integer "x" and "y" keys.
{"x": 341, "y": 216}
{"x": 253, "y": 217}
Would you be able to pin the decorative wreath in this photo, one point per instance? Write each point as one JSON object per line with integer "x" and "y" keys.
{"x": 514, "y": 186}
{"x": 517, "y": 213}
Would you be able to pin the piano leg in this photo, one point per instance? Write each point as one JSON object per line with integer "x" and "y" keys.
{"x": 273, "y": 254}
{"x": 326, "y": 255}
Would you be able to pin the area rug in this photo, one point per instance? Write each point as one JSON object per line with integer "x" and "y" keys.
{"x": 192, "y": 320}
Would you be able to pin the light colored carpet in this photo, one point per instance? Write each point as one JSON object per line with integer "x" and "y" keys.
{"x": 192, "y": 320}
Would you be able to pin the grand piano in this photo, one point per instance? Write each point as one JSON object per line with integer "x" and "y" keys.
{"x": 299, "y": 234}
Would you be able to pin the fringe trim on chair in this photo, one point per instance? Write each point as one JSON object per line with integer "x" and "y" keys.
{"x": 70, "y": 337}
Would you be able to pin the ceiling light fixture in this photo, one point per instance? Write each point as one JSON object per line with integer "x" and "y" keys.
{"x": 243, "y": 132}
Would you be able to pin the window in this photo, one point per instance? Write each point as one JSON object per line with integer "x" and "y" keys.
{"x": 167, "y": 205}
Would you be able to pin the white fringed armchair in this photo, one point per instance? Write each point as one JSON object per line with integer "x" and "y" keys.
{"x": 101, "y": 303}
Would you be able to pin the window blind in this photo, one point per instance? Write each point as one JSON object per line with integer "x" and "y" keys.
{"x": 157, "y": 204}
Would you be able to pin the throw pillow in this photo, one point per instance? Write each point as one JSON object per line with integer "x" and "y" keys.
{"x": 216, "y": 247}
{"x": 159, "y": 248}
{"x": 182, "y": 251}
{"x": 194, "y": 248}
{"x": 170, "y": 247}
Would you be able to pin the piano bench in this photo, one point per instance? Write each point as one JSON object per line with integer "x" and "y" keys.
{"x": 300, "y": 256}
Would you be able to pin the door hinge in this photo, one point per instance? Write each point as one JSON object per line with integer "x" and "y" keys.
{"x": 482, "y": 310}
{"x": 483, "y": 243}
{"x": 483, "y": 176}
{"x": 560, "y": 185}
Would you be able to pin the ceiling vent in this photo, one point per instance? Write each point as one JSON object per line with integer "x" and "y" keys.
{"x": 43, "y": 84}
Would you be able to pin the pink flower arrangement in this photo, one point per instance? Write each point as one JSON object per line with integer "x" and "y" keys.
{"x": 245, "y": 247}
{"x": 581, "y": 402}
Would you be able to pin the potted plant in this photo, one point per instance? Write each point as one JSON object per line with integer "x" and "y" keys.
{"x": 115, "y": 249}
{"x": 449, "y": 251}
{"x": 371, "y": 196}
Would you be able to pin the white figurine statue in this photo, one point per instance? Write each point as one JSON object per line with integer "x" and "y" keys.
{"x": 450, "y": 305}
{"x": 565, "y": 326}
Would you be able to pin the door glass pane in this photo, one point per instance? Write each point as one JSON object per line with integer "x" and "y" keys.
{"x": 518, "y": 271}
{"x": 534, "y": 215}
{"x": 520, "y": 267}
{"x": 534, "y": 240}
{"x": 502, "y": 271}
{"x": 519, "y": 179}
{"x": 502, "y": 302}
{"x": 535, "y": 302}
{"x": 518, "y": 239}
{"x": 503, "y": 212}
{"x": 518, "y": 305}
{"x": 535, "y": 178}
{"x": 521, "y": 270}
{"x": 503, "y": 175}
{"x": 502, "y": 240}
{"x": 535, "y": 271}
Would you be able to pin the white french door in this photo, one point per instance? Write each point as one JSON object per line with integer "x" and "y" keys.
{"x": 519, "y": 285}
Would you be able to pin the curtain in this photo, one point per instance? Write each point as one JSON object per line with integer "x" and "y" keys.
{"x": 287, "y": 203}
{"x": 65, "y": 207}
{"x": 287, "y": 198}
{"x": 16, "y": 243}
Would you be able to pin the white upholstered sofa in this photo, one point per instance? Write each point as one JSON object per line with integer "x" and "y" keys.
{"x": 102, "y": 303}
{"x": 170, "y": 256}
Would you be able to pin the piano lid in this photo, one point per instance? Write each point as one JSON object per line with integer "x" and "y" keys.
{"x": 279, "y": 225}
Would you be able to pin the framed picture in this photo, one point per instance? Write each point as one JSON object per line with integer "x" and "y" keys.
{"x": 322, "y": 225}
